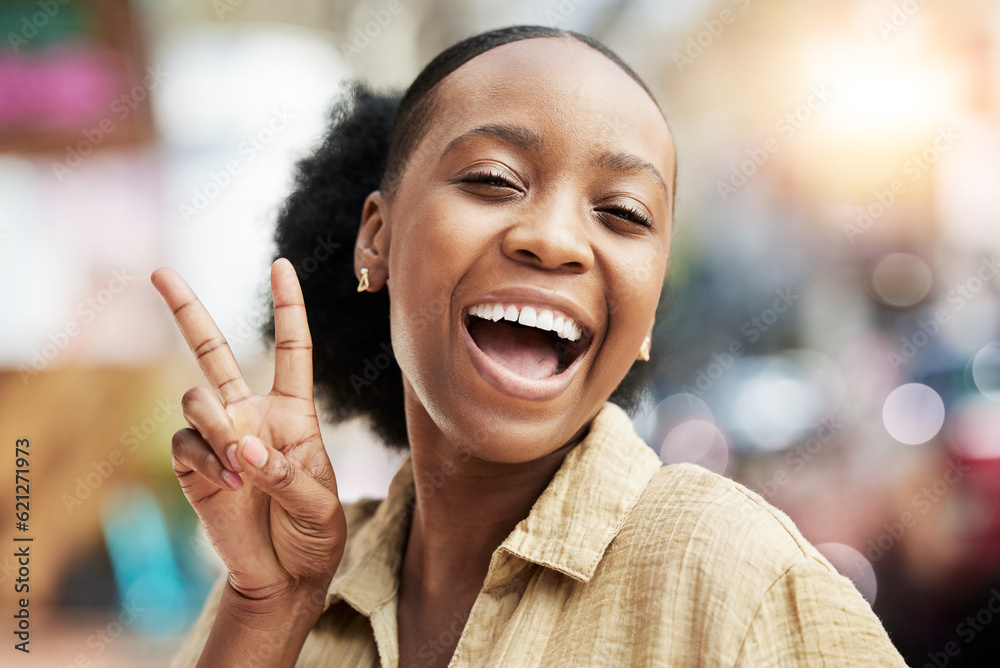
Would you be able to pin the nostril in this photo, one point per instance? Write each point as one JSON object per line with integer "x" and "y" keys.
{"x": 535, "y": 259}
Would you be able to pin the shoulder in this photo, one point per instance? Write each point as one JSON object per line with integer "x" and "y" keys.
{"x": 727, "y": 568}
{"x": 691, "y": 522}
{"x": 722, "y": 517}
{"x": 704, "y": 537}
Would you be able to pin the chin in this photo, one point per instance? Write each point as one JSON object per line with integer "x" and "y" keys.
{"x": 507, "y": 435}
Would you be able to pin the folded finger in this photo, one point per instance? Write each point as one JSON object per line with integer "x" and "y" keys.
{"x": 198, "y": 470}
{"x": 205, "y": 414}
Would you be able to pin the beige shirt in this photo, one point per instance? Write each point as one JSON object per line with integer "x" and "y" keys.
{"x": 621, "y": 562}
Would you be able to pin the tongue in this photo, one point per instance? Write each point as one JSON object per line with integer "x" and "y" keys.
{"x": 524, "y": 350}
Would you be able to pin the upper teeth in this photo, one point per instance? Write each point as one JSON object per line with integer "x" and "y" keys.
{"x": 546, "y": 319}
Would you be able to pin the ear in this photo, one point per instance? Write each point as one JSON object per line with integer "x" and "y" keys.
{"x": 371, "y": 250}
{"x": 643, "y": 355}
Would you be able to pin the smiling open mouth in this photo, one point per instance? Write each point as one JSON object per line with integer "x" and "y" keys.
{"x": 530, "y": 342}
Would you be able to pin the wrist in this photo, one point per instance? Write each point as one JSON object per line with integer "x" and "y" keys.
{"x": 261, "y": 633}
{"x": 282, "y": 610}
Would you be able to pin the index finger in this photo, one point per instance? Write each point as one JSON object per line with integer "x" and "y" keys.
{"x": 202, "y": 335}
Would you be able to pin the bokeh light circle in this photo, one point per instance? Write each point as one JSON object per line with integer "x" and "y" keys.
{"x": 854, "y": 566}
{"x": 913, "y": 413}
{"x": 683, "y": 429}
{"x": 697, "y": 441}
{"x": 975, "y": 429}
{"x": 673, "y": 410}
{"x": 901, "y": 280}
{"x": 986, "y": 371}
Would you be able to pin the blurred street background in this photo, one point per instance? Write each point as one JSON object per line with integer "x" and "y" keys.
{"x": 833, "y": 304}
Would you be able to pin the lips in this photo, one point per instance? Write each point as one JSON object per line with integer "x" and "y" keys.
{"x": 526, "y": 351}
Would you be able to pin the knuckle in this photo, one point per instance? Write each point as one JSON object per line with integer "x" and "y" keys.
{"x": 179, "y": 440}
{"x": 192, "y": 397}
{"x": 284, "y": 474}
{"x": 210, "y": 345}
{"x": 179, "y": 467}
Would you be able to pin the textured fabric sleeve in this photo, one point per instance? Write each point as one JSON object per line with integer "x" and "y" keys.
{"x": 813, "y": 616}
{"x": 194, "y": 644}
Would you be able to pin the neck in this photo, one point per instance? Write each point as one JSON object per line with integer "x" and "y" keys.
{"x": 465, "y": 508}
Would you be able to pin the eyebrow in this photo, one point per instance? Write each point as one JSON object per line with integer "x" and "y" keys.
{"x": 626, "y": 162}
{"x": 529, "y": 139}
{"x": 512, "y": 134}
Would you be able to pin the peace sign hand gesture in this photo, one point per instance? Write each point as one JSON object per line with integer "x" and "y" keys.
{"x": 280, "y": 528}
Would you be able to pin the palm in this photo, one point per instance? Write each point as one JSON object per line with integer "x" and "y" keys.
{"x": 265, "y": 542}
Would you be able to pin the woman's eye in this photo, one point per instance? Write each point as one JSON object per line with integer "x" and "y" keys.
{"x": 487, "y": 178}
{"x": 630, "y": 214}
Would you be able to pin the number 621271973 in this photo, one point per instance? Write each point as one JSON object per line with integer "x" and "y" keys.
{"x": 22, "y": 490}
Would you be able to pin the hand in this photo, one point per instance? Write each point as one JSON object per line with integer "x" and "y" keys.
{"x": 279, "y": 528}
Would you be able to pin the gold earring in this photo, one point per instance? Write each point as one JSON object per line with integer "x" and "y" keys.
{"x": 644, "y": 349}
{"x": 363, "y": 283}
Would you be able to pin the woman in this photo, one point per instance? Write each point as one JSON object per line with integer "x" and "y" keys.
{"x": 520, "y": 219}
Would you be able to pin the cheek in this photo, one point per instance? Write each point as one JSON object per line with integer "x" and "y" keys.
{"x": 633, "y": 297}
{"x": 433, "y": 246}
{"x": 635, "y": 284}
{"x": 434, "y": 239}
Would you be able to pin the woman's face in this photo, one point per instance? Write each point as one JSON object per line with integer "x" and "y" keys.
{"x": 544, "y": 181}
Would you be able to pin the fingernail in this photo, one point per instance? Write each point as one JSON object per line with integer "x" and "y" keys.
{"x": 234, "y": 462}
{"x": 254, "y": 451}
{"x": 231, "y": 479}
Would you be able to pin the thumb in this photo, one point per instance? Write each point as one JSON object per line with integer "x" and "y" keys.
{"x": 273, "y": 473}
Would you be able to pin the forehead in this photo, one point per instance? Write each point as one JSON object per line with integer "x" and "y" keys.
{"x": 569, "y": 92}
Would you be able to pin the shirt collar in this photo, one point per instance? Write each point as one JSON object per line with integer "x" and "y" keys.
{"x": 568, "y": 529}
{"x": 368, "y": 575}
{"x": 588, "y": 500}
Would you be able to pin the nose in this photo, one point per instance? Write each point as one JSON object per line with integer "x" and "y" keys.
{"x": 553, "y": 237}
